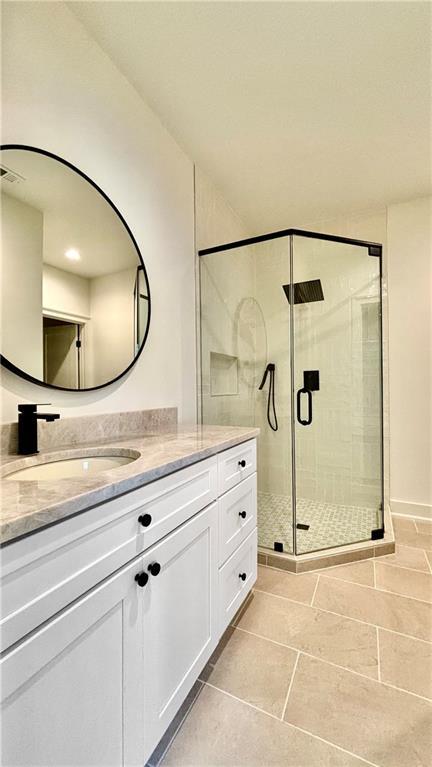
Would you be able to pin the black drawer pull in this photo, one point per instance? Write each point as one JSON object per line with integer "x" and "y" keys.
{"x": 242, "y": 514}
{"x": 145, "y": 520}
{"x": 242, "y": 463}
{"x": 141, "y": 579}
{"x": 154, "y": 568}
{"x": 242, "y": 576}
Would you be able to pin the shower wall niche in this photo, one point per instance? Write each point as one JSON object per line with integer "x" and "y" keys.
{"x": 309, "y": 305}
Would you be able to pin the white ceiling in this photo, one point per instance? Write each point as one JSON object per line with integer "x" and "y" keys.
{"x": 297, "y": 111}
{"x": 75, "y": 215}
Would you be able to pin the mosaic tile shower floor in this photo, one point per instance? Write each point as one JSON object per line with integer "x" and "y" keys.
{"x": 331, "y": 524}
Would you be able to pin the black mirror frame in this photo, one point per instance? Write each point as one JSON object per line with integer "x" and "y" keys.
{"x": 21, "y": 373}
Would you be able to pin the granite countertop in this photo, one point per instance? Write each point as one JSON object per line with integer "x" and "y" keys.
{"x": 28, "y": 506}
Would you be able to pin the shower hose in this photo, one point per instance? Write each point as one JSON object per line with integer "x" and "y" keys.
{"x": 271, "y": 407}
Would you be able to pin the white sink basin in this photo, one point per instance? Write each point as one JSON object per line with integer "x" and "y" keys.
{"x": 79, "y": 466}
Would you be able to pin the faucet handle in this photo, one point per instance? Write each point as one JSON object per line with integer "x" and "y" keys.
{"x": 25, "y": 408}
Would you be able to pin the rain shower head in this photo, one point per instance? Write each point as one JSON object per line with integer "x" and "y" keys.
{"x": 305, "y": 292}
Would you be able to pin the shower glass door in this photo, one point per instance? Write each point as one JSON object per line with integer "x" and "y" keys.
{"x": 245, "y": 331}
{"x": 334, "y": 300}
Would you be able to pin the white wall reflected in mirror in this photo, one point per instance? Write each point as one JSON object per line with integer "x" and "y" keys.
{"x": 75, "y": 296}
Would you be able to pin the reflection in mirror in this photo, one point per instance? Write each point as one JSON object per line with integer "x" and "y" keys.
{"x": 74, "y": 290}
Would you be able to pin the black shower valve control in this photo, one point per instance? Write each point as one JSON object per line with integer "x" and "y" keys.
{"x": 311, "y": 380}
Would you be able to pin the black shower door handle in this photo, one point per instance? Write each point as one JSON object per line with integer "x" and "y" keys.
{"x": 308, "y": 421}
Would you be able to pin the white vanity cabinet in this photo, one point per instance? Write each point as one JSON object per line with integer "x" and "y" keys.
{"x": 180, "y": 619}
{"x": 70, "y": 688}
{"x": 118, "y": 620}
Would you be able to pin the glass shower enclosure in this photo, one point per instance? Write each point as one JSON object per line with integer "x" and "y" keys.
{"x": 291, "y": 342}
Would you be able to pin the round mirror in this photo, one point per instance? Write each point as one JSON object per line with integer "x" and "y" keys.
{"x": 74, "y": 291}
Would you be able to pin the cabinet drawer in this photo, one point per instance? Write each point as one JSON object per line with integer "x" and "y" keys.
{"x": 237, "y": 516}
{"x": 236, "y": 464}
{"x": 44, "y": 572}
{"x": 232, "y": 588}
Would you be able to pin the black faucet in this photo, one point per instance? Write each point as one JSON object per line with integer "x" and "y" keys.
{"x": 27, "y": 427}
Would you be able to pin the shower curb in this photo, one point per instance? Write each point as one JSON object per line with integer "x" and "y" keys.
{"x": 319, "y": 560}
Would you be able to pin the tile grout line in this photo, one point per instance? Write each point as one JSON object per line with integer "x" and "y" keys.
{"x": 378, "y": 655}
{"x": 337, "y": 665}
{"x": 409, "y": 546}
{"x": 374, "y": 574}
{"x": 327, "y": 572}
{"x": 348, "y": 617}
{"x": 384, "y": 591}
{"x": 401, "y": 567}
{"x": 240, "y": 700}
{"x": 319, "y": 570}
{"x": 323, "y": 570}
{"x": 328, "y": 742}
{"x": 427, "y": 561}
{"x": 315, "y": 591}
{"x": 288, "y": 724}
{"x": 395, "y": 566}
{"x": 290, "y": 686}
{"x": 426, "y": 547}
{"x": 180, "y": 725}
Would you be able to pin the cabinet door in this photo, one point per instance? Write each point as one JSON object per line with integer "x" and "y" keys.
{"x": 72, "y": 691}
{"x": 180, "y": 619}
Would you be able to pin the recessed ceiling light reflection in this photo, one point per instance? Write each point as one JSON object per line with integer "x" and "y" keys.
{"x": 73, "y": 255}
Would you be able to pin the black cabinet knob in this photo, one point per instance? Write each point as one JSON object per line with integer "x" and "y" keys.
{"x": 154, "y": 568}
{"x": 141, "y": 579}
{"x": 145, "y": 520}
{"x": 242, "y": 514}
{"x": 242, "y": 463}
{"x": 242, "y": 576}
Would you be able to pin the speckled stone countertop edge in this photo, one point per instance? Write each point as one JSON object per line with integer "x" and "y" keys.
{"x": 28, "y": 507}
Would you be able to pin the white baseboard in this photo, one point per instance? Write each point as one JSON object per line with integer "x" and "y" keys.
{"x": 408, "y": 509}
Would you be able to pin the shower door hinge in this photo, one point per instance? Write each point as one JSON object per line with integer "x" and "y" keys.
{"x": 377, "y": 533}
{"x": 374, "y": 250}
{"x": 78, "y": 344}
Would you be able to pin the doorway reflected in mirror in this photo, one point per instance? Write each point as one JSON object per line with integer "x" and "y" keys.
{"x": 74, "y": 288}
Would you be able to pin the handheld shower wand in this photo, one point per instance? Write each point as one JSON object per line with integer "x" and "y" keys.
{"x": 270, "y": 371}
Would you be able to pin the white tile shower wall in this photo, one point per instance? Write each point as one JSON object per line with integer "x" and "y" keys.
{"x": 341, "y": 466}
{"x": 338, "y": 455}
{"x": 370, "y": 226}
{"x": 228, "y": 324}
{"x": 228, "y": 328}
{"x": 272, "y": 271}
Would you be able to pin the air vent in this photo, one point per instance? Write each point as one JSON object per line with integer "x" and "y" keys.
{"x": 9, "y": 175}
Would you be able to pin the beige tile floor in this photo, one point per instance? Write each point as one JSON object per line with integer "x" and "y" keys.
{"x": 328, "y": 669}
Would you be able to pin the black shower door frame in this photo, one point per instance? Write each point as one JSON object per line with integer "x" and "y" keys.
{"x": 374, "y": 249}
